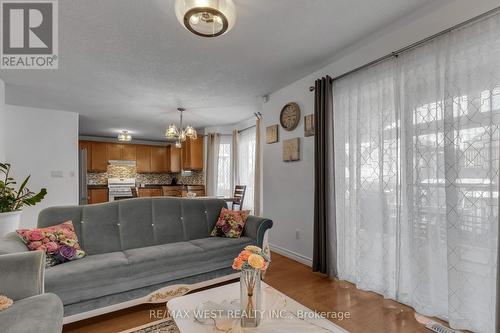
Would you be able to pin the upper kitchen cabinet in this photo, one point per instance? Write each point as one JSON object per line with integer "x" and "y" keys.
{"x": 114, "y": 151}
{"x": 175, "y": 159}
{"x": 143, "y": 158}
{"x": 192, "y": 154}
{"x": 99, "y": 158}
{"x": 160, "y": 160}
{"x": 87, "y": 145}
{"x": 129, "y": 152}
{"x": 121, "y": 152}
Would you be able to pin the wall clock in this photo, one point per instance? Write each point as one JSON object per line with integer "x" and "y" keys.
{"x": 290, "y": 116}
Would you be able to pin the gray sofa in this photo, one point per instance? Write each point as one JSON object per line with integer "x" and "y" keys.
{"x": 137, "y": 246}
{"x": 21, "y": 279}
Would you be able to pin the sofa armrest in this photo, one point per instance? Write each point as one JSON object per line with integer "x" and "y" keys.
{"x": 256, "y": 227}
{"x": 22, "y": 274}
{"x": 12, "y": 243}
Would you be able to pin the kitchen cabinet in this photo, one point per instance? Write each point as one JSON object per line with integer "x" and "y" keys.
{"x": 192, "y": 154}
{"x": 149, "y": 192}
{"x": 156, "y": 192}
{"x": 172, "y": 190}
{"x": 149, "y": 159}
{"x": 121, "y": 152}
{"x": 199, "y": 190}
{"x": 174, "y": 159}
{"x": 114, "y": 151}
{"x": 99, "y": 159}
{"x": 129, "y": 152}
{"x": 97, "y": 195}
{"x": 159, "y": 159}
{"x": 87, "y": 145}
{"x": 143, "y": 159}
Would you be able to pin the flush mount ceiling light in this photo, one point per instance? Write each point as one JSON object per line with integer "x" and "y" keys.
{"x": 206, "y": 18}
{"x": 124, "y": 136}
{"x": 179, "y": 134}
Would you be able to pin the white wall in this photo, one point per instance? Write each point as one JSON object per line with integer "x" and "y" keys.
{"x": 43, "y": 143}
{"x": 288, "y": 187}
{"x": 2, "y": 121}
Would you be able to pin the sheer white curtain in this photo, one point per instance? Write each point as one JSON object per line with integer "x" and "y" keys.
{"x": 246, "y": 165}
{"x": 212, "y": 163}
{"x": 224, "y": 188}
{"x": 417, "y": 161}
{"x": 366, "y": 182}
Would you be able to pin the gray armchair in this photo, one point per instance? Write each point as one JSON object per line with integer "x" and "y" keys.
{"x": 21, "y": 278}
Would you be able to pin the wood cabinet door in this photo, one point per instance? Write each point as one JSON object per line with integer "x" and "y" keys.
{"x": 129, "y": 153}
{"x": 114, "y": 151}
{"x": 99, "y": 157}
{"x": 87, "y": 145}
{"x": 143, "y": 158}
{"x": 159, "y": 159}
{"x": 98, "y": 195}
{"x": 155, "y": 192}
{"x": 198, "y": 189}
{"x": 186, "y": 155}
{"x": 144, "y": 192}
{"x": 175, "y": 159}
{"x": 171, "y": 191}
{"x": 192, "y": 154}
{"x": 196, "y": 154}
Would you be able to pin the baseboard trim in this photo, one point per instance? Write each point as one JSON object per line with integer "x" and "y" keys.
{"x": 292, "y": 255}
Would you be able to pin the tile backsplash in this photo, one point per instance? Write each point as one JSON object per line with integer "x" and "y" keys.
{"x": 118, "y": 171}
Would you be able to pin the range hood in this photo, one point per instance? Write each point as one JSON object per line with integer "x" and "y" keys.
{"x": 122, "y": 163}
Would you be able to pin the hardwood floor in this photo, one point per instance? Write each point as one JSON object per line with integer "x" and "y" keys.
{"x": 368, "y": 312}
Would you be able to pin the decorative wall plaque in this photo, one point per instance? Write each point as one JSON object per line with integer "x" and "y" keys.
{"x": 309, "y": 125}
{"x": 291, "y": 150}
{"x": 272, "y": 135}
{"x": 290, "y": 116}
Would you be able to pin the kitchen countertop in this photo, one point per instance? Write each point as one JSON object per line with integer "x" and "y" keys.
{"x": 161, "y": 185}
{"x": 97, "y": 186}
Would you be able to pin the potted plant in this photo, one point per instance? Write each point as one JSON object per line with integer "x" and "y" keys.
{"x": 12, "y": 200}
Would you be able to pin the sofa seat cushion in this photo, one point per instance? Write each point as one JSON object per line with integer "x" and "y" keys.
{"x": 222, "y": 247}
{"x": 36, "y": 314}
{"x": 90, "y": 277}
{"x": 161, "y": 258}
{"x": 110, "y": 273}
{"x": 173, "y": 261}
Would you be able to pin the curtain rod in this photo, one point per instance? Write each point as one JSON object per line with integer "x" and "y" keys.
{"x": 246, "y": 129}
{"x": 414, "y": 45}
{"x": 239, "y": 131}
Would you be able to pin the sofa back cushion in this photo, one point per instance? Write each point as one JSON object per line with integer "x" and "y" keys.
{"x": 135, "y": 223}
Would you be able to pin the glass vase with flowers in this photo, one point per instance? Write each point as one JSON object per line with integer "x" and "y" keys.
{"x": 252, "y": 261}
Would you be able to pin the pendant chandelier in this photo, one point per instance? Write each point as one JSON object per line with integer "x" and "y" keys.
{"x": 206, "y": 18}
{"x": 179, "y": 134}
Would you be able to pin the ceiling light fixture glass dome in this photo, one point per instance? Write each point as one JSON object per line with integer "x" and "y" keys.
{"x": 124, "y": 136}
{"x": 206, "y": 18}
{"x": 179, "y": 133}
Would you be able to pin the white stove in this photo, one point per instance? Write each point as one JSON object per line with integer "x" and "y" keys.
{"x": 120, "y": 188}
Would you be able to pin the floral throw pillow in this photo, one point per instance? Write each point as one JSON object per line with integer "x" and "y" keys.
{"x": 230, "y": 223}
{"x": 59, "y": 242}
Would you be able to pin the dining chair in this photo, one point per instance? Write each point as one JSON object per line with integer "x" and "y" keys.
{"x": 239, "y": 196}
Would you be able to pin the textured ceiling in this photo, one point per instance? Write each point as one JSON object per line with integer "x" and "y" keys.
{"x": 127, "y": 64}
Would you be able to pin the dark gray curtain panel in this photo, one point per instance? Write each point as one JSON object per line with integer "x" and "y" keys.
{"x": 324, "y": 251}
{"x": 497, "y": 326}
